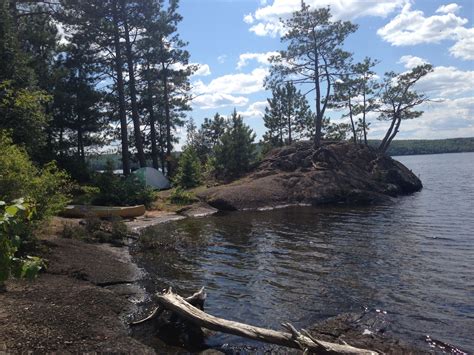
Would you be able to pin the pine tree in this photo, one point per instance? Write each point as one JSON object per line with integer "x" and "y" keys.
{"x": 287, "y": 116}
{"x": 22, "y": 102}
{"x": 314, "y": 56}
{"x": 167, "y": 63}
{"x": 367, "y": 88}
{"x": 398, "y": 100}
{"x": 208, "y": 136}
{"x": 77, "y": 106}
{"x": 132, "y": 17}
{"x": 188, "y": 174}
{"x": 235, "y": 152}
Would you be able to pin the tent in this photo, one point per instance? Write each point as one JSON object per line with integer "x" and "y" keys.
{"x": 152, "y": 178}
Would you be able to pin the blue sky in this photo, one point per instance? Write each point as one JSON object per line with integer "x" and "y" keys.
{"x": 231, "y": 39}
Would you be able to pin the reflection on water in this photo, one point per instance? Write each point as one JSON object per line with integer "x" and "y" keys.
{"x": 413, "y": 258}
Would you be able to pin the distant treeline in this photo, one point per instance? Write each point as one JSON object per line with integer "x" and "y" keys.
{"x": 421, "y": 146}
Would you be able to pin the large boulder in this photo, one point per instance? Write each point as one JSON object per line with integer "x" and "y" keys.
{"x": 337, "y": 172}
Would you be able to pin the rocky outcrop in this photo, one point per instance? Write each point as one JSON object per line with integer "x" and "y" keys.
{"x": 338, "y": 172}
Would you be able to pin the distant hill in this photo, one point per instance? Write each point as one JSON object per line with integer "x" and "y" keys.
{"x": 425, "y": 146}
{"x": 398, "y": 147}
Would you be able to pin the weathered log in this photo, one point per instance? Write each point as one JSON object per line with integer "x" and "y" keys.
{"x": 197, "y": 300}
{"x": 294, "y": 339}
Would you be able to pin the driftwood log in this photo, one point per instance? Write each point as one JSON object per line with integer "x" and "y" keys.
{"x": 186, "y": 308}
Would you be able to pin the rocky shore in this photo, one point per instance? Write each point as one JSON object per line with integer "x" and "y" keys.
{"x": 86, "y": 296}
{"x": 79, "y": 304}
{"x": 299, "y": 174}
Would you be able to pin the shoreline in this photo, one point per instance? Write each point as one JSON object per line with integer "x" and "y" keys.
{"x": 85, "y": 299}
{"x": 80, "y": 303}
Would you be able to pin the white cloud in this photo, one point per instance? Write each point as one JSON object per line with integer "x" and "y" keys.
{"x": 412, "y": 27}
{"x": 216, "y": 100}
{"x": 228, "y": 90}
{"x": 449, "y": 9}
{"x": 447, "y": 82}
{"x": 268, "y": 17}
{"x": 262, "y": 58}
{"x": 443, "y": 81}
{"x": 254, "y": 110}
{"x": 241, "y": 84}
{"x": 451, "y": 109}
{"x": 447, "y": 119}
{"x": 221, "y": 59}
{"x": 464, "y": 47}
{"x": 248, "y": 19}
{"x": 204, "y": 70}
{"x": 410, "y": 61}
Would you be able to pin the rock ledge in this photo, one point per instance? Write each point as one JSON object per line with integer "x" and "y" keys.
{"x": 338, "y": 172}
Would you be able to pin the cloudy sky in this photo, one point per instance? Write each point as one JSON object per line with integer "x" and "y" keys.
{"x": 232, "y": 40}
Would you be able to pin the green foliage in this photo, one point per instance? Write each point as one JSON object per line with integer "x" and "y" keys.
{"x": 22, "y": 112}
{"x": 287, "y": 116}
{"x": 235, "y": 153}
{"x": 398, "y": 100}
{"x": 208, "y": 136}
{"x": 14, "y": 220}
{"x": 182, "y": 197}
{"x": 314, "y": 56}
{"x": 355, "y": 92}
{"x": 46, "y": 187}
{"x": 119, "y": 191}
{"x": 188, "y": 174}
{"x": 94, "y": 230}
{"x": 84, "y": 194}
{"x": 335, "y": 131}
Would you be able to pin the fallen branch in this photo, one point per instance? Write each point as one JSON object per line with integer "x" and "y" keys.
{"x": 197, "y": 300}
{"x": 294, "y": 339}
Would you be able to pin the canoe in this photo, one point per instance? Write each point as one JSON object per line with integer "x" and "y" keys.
{"x": 81, "y": 211}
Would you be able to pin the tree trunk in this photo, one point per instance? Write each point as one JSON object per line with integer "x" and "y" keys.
{"x": 387, "y": 135}
{"x": 151, "y": 111}
{"x": 80, "y": 142}
{"x": 121, "y": 93}
{"x": 61, "y": 135}
{"x": 281, "y": 133}
{"x": 290, "y": 140}
{"x": 292, "y": 339}
{"x": 392, "y": 136}
{"x": 318, "y": 119}
{"x": 352, "y": 122}
{"x": 363, "y": 118}
{"x": 14, "y": 13}
{"x": 169, "y": 146}
{"x": 161, "y": 146}
{"x": 133, "y": 92}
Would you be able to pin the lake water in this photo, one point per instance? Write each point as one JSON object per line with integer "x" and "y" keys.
{"x": 413, "y": 258}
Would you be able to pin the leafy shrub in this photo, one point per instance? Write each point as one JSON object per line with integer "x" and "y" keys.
{"x": 182, "y": 197}
{"x": 47, "y": 188}
{"x": 94, "y": 230}
{"x": 84, "y": 195}
{"x": 80, "y": 171}
{"x": 189, "y": 169}
{"x": 14, "y": 220}
{"x": 118, "y": 191}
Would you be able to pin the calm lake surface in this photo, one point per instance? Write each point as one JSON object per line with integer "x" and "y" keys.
{"x": 413, "y": 258}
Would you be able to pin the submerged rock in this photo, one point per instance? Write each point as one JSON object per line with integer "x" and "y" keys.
{"x": 338, "y": 172}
